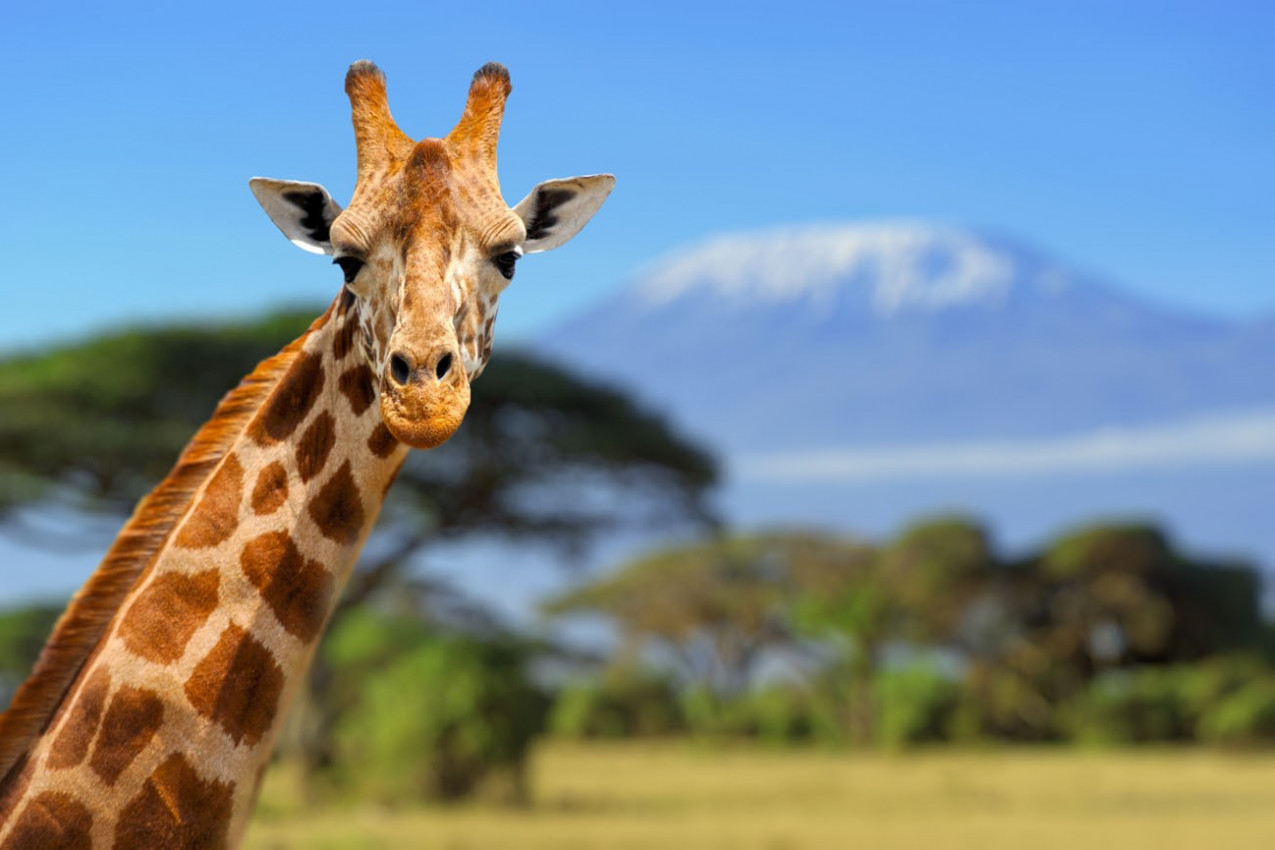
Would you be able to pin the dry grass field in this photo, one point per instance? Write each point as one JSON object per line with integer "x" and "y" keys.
{"x": 678, "y": 796}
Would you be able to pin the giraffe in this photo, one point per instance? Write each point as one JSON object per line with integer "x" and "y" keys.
{"x": 150, "y": 715}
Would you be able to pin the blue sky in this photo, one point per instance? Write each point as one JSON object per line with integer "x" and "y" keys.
{"x": 1134, "y": 138}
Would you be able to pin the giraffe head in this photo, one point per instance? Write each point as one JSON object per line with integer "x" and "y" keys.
{"x": 426, "y": 246}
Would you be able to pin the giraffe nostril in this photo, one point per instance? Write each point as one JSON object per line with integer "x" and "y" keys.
{"x": 400, "y": 369}
{"x": 444, "y": 366}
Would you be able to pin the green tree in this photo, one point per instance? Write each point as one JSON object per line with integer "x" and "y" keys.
{"x": 855, "y": 619}
{"x": 712, "y": 607}
{"x": 435, "y": 714}
{"x": 620, "y": 703}
{"x": 1102, "y": 599}
{"x": 96, "y": 424}
{"x": 835, "y": 605}
{"x": 916, "y": 592}
{"x": 1116, "y": 595}
{"x": 937, "y": 569}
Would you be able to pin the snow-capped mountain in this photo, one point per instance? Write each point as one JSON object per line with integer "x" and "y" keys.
{"x": 889, "y": 333}
{"x": 862, "y": 374}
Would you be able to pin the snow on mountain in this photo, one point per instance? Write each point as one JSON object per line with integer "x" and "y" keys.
{"x": 895, "y": 267}
{"x": 848, "y": 274}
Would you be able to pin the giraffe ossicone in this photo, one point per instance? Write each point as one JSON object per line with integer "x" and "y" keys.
{"x": 151, "y": 713}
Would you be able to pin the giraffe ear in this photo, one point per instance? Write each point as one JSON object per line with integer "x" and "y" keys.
{"x": 556, "y": 210}
{"x": 303, "y": 211}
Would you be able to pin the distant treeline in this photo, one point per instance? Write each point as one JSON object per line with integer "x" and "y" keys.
{"x": 1106, "y": 636}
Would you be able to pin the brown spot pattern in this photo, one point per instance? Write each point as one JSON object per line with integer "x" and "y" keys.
{"x": 337, "y": 509}
{"x": 298, "y": 590}
{"x": 271, "y": 489}
{"x": 343, "y": 344}
{"x": 356, "y": 384}
{"x": 315, "y": 444}
{"x": 290, "y": 403}
{"x": 382, "y": 442}
{"x": 132, "y": 719}
{"x": 237, "y": 686}
{"x": 72, "y": 743}
{"x": 176, "y": 810}
{"x": 167, "y": 613}
{"x": 52, "y": 819}
{"x": 216, "y": 516}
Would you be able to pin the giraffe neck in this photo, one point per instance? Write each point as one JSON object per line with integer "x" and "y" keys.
{"x": 162, "y": 736}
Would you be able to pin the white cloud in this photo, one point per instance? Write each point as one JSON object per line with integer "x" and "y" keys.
{"x": 1222, "y": 439}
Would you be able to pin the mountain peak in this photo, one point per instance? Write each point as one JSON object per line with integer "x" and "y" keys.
{"x": 836, "y": 335}
{"x": 887, "y": 267}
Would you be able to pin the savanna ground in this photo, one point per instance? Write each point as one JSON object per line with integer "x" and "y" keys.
{"x": 638, "y": 795}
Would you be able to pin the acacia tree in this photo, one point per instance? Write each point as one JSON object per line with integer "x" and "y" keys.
{"x": 1112, "y": 596}
{"x": 713, "y": 607}
{"x": 915, "y": 590}
{"x": 717, "y": 607}
{"x": 94, "y": 425}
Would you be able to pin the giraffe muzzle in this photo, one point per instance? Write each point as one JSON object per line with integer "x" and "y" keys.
{"x": 424, "y": 399}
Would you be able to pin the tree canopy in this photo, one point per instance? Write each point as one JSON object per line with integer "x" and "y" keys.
{"x": 543, "y": 454}
{"x": 715, "y": 606}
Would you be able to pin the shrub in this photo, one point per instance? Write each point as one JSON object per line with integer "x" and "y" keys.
{"x": 625, "y": 704}
{"x": 780, "y": 714}
{"x": 1205, "y": 684}
{"x": 1129, "y": 707}
{"x": 1003, "y": 704}
{"x": 1224, "y": 700}
{"x": 915, "y": 705}
{"x": 1246, "y": 716}
{"x": 1231, "y": 700}
{"x": 437, "y": 719}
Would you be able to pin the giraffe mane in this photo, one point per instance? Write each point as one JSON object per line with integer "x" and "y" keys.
{"x": 90, "y": 612}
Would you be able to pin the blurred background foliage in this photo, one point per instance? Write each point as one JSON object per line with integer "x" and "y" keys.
{"x": 1105, "y": 635}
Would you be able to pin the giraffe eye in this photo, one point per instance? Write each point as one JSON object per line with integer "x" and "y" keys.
{"x": 350, "y": 266}
{"x": 505, "y": 263}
